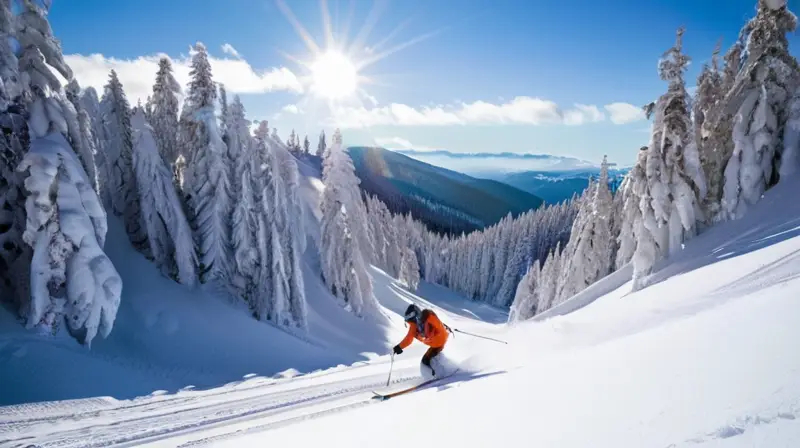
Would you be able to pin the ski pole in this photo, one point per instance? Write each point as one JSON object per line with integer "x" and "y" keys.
{"x": 479, "y": 336}
{"x": 388, "y": 380}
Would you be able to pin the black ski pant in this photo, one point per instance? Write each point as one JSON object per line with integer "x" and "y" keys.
{"x": 433, "y": 351}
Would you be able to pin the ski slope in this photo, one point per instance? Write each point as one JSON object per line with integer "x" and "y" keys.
{"x": 708, "y": 355}
{"x": 253, "y": 404}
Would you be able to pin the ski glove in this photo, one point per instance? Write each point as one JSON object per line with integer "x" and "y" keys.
{"x": 397, "y": 350}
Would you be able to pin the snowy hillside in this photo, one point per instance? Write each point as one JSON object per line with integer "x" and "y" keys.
{"x": 168, "y": 336}
{"x": 704, "y": 357}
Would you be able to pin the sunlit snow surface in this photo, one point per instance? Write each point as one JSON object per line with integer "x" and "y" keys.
{"x": 708, "y": 355}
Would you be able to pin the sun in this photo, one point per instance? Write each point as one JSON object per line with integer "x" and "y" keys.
{"x": 333, "y": 76}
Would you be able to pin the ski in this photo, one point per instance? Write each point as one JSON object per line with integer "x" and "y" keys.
{"x": 386, "y": 396}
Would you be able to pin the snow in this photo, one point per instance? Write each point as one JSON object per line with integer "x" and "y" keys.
{"x": 705, "y": 355}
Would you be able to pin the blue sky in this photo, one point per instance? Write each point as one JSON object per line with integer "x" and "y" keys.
{"x": 494, "y": 75}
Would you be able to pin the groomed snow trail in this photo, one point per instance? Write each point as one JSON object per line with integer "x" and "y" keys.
{"x": 194, "y": 417}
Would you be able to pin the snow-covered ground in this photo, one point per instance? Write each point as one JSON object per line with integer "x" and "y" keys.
{"x": 708, "y": 355}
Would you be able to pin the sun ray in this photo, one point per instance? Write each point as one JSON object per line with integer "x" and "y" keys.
{"x": 377, "y": 57}
{"x": 298, "y": 27}
{"x": 372, "y": 19}
{"x": 294, "y": 59}
{"x": 348, "y": 21}
{"x": 391, "y": 34}
{"x": 326, "y": 24}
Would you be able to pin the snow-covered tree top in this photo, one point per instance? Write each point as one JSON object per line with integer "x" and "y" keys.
{"x": 202, "y": 90}
{"x": 674, "y": 62}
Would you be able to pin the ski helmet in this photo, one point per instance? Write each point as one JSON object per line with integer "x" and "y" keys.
{"x": 412, "y": 312}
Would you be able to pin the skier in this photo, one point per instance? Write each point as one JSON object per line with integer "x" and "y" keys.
{"x": 425, "y": 326}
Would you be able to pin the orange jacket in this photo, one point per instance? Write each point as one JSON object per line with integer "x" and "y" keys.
{"x": 435, "y": 335}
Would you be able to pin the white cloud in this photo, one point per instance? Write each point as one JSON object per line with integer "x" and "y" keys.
{"x": 291, "y": 108}
{"x": 228, "y": 49}
{"x": 400, "y": 143}
{"x": 521, "y": 110}
{"x": 583, "y": 113}
{"x": 138, "y": 75}
{"x": 623, "y": 113}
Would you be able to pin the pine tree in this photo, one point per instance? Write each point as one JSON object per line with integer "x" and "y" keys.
{"x": 290, "y": 220}
{"x": 321, "y": 146}
{"x": 525, "y": 301}
{"x": 626, "y": 239}
{"x": 644, "y": 226}
{"x": 409, "y": 269}
{"x": 168, "y": 232}
{"x": 790, "y": 160}
{"x": 306, "y": 146}
{"x": 71, "y": 278}
{"x": 248, "y": 206}
{"x": 709, "y": 97}
{"x": 224, "y": 113}
{"x": 81, "y": 133}
{"x": 119, "y": 156}
{"x": 762, "y": 90}
{"x": 719, "y": 144}
{"x": 14, "y": 254}
{"x": 588, "y": 254}
{"x": 91, "y": 104}
{"x": 344, "y": 259}
{"x": 164, "y": 115}
{"x": 207, "y": 174}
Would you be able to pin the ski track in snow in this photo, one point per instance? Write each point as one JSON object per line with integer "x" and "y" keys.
{"x": 747, "y": 424}
{"x": 99, "y": 422}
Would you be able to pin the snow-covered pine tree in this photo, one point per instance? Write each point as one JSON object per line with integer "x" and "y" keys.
{"x": 91, "y": 104}
{"x": 525, "y": 298}
{"x": 164, "y": 113}
{"x": 207, "y": 174}
{"x": 548, "y": 281}
{"x": 292, "y": 142}
{"x": 588, "y": 253}
{"x": 306, "y": 147}
{"x": 718, "y": 146}
{"x": 247, "y": 207}
{"x": 71, "y": 277}
{"x": 647, "y": 249}
{"x": 14, "y": 254}
{"x": 626, "y": 239}
{"x": 686, "y": 182}
{"x": 224, "y": 113}
{"x": 409, "y": 269}
{"x": 762, "y": 91}
{"x": 290, "y": 222}
{"x": 708, "y": 98}
{"x": 168, "y": 232}
{"x": 790, "y": 160}
{"x": 119, "y": 161}
{"x": 343, "y": 237}
{"x": 670, "y": 200}
{"x": 81, "y": 132}
{"x": 321, "y": 146}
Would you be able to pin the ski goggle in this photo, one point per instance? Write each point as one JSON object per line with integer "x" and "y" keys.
{"x": 411, "y": 314}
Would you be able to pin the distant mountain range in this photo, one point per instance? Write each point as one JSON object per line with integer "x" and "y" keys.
{"x": 495, "y": 165}
{"x": 445, "y": 200}
{"x": 551, "y": 178}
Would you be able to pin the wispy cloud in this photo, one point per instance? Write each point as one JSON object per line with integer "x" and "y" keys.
{"x": 624, "y": 113}
{"x": 138, "y": 75}
{"x": 522, "y": 110}
{"x": 228, "y": 49}
{"x": 396, "y": 143}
